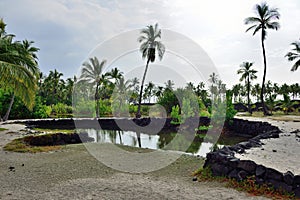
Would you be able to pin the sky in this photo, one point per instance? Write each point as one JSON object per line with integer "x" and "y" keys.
{"x": 69, "y": 32}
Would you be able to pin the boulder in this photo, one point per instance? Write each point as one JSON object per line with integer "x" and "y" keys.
{"x": 247, "y": 165}
{"x": 288, "y": 178}
{"x": 260, "y": 171}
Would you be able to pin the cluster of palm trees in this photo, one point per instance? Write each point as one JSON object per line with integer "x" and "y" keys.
{"x": 54, "y": 89}
{"x": 19, "y": 70}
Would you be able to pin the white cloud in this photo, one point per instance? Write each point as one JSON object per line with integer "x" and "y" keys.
{"x": 66, "y": 31}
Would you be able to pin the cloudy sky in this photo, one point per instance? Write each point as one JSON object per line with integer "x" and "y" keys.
{"x": 68, "y": 31}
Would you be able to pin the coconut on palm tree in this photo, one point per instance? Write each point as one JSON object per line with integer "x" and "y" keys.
{"x": 150, "y": 46}
{"x": 266, "y": 18}
{"x": 248, "y": 74}
{"x": 294, "y": 54}
{"x": 91, "y": 73}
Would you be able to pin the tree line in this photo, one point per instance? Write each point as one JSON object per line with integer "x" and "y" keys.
{"x": 27, "y": 92}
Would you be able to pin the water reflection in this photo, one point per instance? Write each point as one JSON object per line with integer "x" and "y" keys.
{"x": 166, "y": 141}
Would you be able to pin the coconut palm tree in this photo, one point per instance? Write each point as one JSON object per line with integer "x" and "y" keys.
{"x": 18, "y": 68}
{"x": 149, "y": 91}
{"x": 91, "y": 73}
{"x": 121, "y": 97}
{"x": 169, "y": 85}
{"x": 266, "y": 18}
{"x": 247, "y": 74}
{"x": 294, "y": 54}
{"x": 256, "y": 90}
{"x": 150, "y": 46}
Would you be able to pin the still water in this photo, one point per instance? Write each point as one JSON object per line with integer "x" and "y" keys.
{"x": 167, "y": 141}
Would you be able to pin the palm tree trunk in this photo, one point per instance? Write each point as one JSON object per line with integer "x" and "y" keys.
{"x": 138, "y": 114}
{"x": 97, "y": 100}
{"x": 264, "y": 78}
{"x": 9, "y": 108}
{"x": 248, "y": 95}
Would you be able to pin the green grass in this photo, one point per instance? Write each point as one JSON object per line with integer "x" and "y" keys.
{"x": 248, "y": 185}
{"x": 18, "y": 145}
{"x": 3, "y": 129}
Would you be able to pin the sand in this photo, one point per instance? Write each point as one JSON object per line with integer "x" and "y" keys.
{"x": 72, "y": 173}
{"x": 280, "y": 153}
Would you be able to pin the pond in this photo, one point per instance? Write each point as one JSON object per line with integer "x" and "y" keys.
{"x": 188, "y": 143}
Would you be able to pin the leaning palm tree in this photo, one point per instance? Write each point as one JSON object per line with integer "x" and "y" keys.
{"x": 266, "y": 18}
{"x": 91, "y": 73}
{"x": 150, "y": 46}
{"x": 18, "y": 69}
{"x": 294, "y": 55}
{"x": 248, "y": 74}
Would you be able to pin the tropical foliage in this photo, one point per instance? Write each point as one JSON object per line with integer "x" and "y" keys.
{"x": 18, "y": 68}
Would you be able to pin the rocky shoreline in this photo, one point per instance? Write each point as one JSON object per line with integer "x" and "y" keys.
{"x": 225, "y": 162}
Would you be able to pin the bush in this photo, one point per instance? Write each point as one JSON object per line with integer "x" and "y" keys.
{"x": 176, "y": 118}
{"x": 85, "y": 109}
{"x": 62, "y": 110}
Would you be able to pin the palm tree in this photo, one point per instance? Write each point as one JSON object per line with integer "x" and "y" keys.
{"x": 115, "y": 74}
{"x": 121, "y": 97}
{"x": 247, "y": 75}
{"x": 236, "y": 90}
{"x": 18, "y": 68}
{"x": 169, "y": 85}
{"x": 213, "y": 78}
{"x": 256, "y": 90}
{"x": 294, "y": 55}
{"x": 265, "y": 19}
{"x": 149, "y": 91}
{"x": 91, "y": 73}
{"x": 150, "y": 46}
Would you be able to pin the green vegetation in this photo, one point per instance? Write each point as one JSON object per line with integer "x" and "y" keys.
{"x": 18, "y": 69}
{"x": 204, "y": 128}
{"x": 18, "y": 145}
{"x": 3, "y": 129}
{"x": 248, "y": 185}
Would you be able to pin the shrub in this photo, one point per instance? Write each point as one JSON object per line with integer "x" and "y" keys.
{"x": 176, "y": 118}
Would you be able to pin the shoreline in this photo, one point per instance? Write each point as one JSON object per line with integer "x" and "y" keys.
{"x": 280, "y": 153}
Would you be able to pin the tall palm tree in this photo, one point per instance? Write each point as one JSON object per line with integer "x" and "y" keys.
{"x": 91, "y": 73}
{"x": 18, "y": 68}
{"x": 248, "y": 74}
{"x": 266, "y": 18}
{"x": 150, "y": 46}
{"x": 294, "y": 54}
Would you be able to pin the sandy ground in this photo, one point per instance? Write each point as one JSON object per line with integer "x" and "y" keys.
{"x": 72, "y": 173}
{"x": 280, "y": 153}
